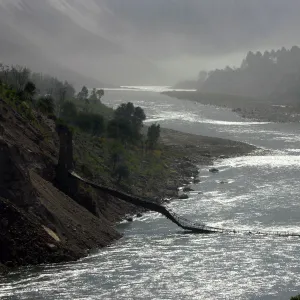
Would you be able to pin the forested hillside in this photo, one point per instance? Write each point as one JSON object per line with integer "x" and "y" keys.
{"x": 273, "y": 75}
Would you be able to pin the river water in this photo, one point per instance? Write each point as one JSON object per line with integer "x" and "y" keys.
{"x": 157, "y": 260}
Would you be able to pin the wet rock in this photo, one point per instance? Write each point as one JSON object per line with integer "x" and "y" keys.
{"x": 186, "y": 164}
{"x": 196, "y": 181}
{"x": 187, "y": 189}
{"x": 139, "y": 215}
{"x": 185, "y": 181}
{"x": 184, "y": 196}
{"x": 170, "y": 194}
{"x": 130, "y": 219}
{"x": 52, "y": 247}
{"x": 171, "y": 188}
{"x": 214, "y": 170}
{"x": 9, "y": 264}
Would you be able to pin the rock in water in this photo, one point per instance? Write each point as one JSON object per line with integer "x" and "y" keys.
{"x": 214, "y": 170}
{"x": 187, "y": 189}
{"x": 223, "y": 182}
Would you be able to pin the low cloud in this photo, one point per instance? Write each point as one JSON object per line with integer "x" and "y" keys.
{"x": 131, "y": 41}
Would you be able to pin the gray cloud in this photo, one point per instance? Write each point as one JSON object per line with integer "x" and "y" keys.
{"x": 150, "y": 41}
{"x": 210, "y": 26}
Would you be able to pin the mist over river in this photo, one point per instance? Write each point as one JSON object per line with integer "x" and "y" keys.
{"x": 157, "y": 260}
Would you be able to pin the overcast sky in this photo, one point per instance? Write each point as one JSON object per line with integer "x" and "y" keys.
{"x": 173, "y": 39}
{"x": 211, "y": 32}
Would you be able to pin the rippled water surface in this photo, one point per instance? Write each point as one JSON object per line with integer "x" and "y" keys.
{"x": 156, "y": 260}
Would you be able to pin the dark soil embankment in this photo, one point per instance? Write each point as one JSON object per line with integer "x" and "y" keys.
{"x": 45, "y": 218}
{"x": 39, "y": 223}
{"x": 246, "y": 107}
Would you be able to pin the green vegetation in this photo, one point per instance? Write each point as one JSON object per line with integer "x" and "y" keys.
{"x": 153, "y": 135}
{"x": 109, "y": 145}
{"x": 269, "y": 75}
{"x": 127, "y": 123}
{"x": 46, "y": 105}
{"x": 121, "y": 172}
{"x": 296, "y": 298}
{"x": 90, "y": 123}
{"x": 130, "y": 166}
{"x": 68, "y": 111}
{"x": 97, "y": 108}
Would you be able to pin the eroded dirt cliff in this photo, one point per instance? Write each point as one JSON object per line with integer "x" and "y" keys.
{"x": 39, "y": 222}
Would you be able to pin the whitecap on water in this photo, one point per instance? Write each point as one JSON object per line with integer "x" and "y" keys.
{"x": 292, "y": 150}
{"x": 195, "y": 118}
{"x": 229, "y": 123}
{"x": 156, "y": 89}
{"x": 262, "y": 161}
{"x": 173, "y": 115}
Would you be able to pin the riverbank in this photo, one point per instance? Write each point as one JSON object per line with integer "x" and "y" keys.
{"x": 183, "y": 153}
{"x": 63, "y": 222}
{"x": 156, "y": 174}
{"x": 249, "y": 108}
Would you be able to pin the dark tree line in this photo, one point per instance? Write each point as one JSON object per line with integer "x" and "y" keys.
{"x": 127, "y": 123}
{"x": 263, "y": 75}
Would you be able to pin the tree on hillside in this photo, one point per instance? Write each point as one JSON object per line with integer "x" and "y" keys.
{"x": 120, "y": 129}
{"x": 4, "y": 73}
{"x": 117, "y": 151}
{"x": 83, "y": 94}
{"x": 93, "y": 97}
{"x": 100, "y": 94}
{"x": 18, "y": 77}
{"x": 96, "y": 96}
{"x": 46, "y": 105}
{"x": 122, "y": 172}
{"x": 48, "y": 85}
{"x": 139, "y": 117}
{"x": 86, "y": 105}
{"x": 153, "y": 135}
{"x": 115, "y": 159}
{"x": 61, "y": 99}
{"x": 98, "y": 124}
{"x": 29, "y": 90}
{"x": 68, "y": 111}
{"x": 125, "y": 111}
{"x": 90, "y": 123}
{"x": 69, "y": 89}
{"x": 131, "y": 118}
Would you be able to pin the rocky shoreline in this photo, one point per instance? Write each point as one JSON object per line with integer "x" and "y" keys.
{"x": 256, "y": 110}
{"x": 192, "y": 152}
{"x": 200, "y": 151}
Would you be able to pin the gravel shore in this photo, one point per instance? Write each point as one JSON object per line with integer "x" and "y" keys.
{"x": 264, "y": 111}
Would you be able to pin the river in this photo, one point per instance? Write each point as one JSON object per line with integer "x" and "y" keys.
{"x": 157, "y": 260}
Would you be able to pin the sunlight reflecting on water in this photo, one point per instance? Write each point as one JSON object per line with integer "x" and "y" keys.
{"x": 156, "y": 260}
